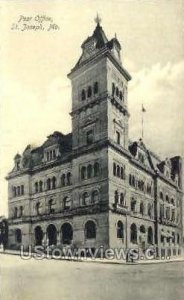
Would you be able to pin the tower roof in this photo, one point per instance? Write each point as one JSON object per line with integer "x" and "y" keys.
{"x": 98, "y": 36}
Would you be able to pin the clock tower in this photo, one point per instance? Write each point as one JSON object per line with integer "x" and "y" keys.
{"x": 99, "y": 93}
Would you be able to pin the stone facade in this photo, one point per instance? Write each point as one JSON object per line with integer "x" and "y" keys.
{"x": 93, "y": 187}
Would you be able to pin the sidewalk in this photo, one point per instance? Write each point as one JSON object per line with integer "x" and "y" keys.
{"x": 104, "y": 260}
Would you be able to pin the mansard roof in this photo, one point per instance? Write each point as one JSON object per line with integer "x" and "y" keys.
{"x": 33, "y": 155}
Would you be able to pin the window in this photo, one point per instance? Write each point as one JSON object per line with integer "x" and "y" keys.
{"x": 149, "y": 210}
{"x": 41, "y": 186}
{"x": 22, "y": 190}
{"x": 66, "y": 203}
{"x": 38, "y": 206}
{"x": 116, "y": 197}
{"x": 89, "y": 171}
{"x": 150, "y": 235}
{"x": 90, "y": 230}
{"x": 120, "y": 231}
{"x": 178, "y": 238}
{"x": 69, "y": 178}
{"x": 21, "y": 211}
{"x": 95, "y": 87}
{"x": 122, "y": 199}
{"x": 54, "y": 182}
{"x": 15, "y": 212}
{"x": 118, "y": 137}
{"x": 122, "y": 173}
{"x": 96, "y": 169}
{"x": 168, "y": 213}
{"x": 141, "y": 208}
{"x": 63, "y": 180}
{"x": 173, "y": 215}
{"x": 89, "y": 91}
{"x": 133, "y": 234}
{"x": 48, "y": 184}
{"x": 18, "y": 236}
{"x": 161, "y": 210}
{"x": 14, "y": 191}
{"x": 117, "y": 92}
{"x": 167, "y": 198}
{"x": 54, "y": 154}
{"x": 118, "y": 171}
{"x": 95, "y": 197}
{"x": 50, "y": 206}
{"x": 83, "y": 95}
{"x": 89, "y": 137}
{"x": 83, "y": 173}
{"x": 85, "y": 198}
{"x": 18, "y": 190}
{"x": 133, "y": 205}
{"x": 142, "y": 229}
{"x": 121, "y": 95}
{"x": 114, "y": 169}
{"x": 113, "y": 89}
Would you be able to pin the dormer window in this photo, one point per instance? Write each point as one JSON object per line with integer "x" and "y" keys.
{"x": 51, "y": 155}
{"x": 89, "y": 91}
{"x": 83, "y": 95}
{"x": 95, "y": 89}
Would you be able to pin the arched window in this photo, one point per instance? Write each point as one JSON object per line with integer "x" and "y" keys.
{"x": 116, "y": 197}
{"x": 149, "y": 210}
{"x": 113, "y": 89}
{"x": 89, "y": 91}
{"x": 96, "y": 169}
{"x": 50, "y": 206}
{"x": 89, "y": 171}
{"x": 83, "y": 95}
{"x": 38, "y": 206}
{"x": 63, "y": 180}
{"x": 85, "y": 198}
{"x": 83, "y": 173}
{"x": 95, "y": 89}
{"x": 167, "y": 198}
{"x": 121, "y": 95}
{"x": 48, "y": 184}
{"x": 21, "y": 211}
{"x": 69, "y": 178}
{"x": 95, "y": 197}
{"x": 118, "y": 171}
{"x": 66, "y": 203}
{"x": 161, "y": 196}
{"x": 90, "y": 230}
{"x": 54, "y": 182}
{"x": 133, "y": 234}
{"x": 142, "y": 208}
{"x": 133, "y": 181}
{"x": 41, "y": 186}
{"x": 122, "y": 199}
{"x": 142, "y": 229}
{"x": 18, "y": 236}
{"x": 133, "y": 204}
{"x": 120, "y": 231}
{"x": 150, "y": 235}
{"x": 117, "y": 92}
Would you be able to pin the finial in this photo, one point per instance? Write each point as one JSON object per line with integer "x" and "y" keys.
{"x": 115, "y": 35}
{"x": 98, "y": 19}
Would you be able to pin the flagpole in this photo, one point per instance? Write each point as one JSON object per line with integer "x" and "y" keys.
{"x": 142, "y": 123}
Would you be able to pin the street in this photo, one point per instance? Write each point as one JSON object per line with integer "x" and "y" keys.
{"x": 68, "y": 280}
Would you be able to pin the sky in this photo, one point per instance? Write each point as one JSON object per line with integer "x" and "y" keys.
{"x": 35, "y": 94}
